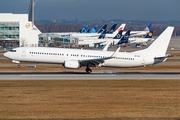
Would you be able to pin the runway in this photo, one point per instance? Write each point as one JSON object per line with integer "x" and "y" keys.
{"x": 109, "y": 75}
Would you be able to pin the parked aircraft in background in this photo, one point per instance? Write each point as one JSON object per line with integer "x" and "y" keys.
{"x": 143, "y": 41}
{"x": 140, "y": 33}
{"x": 118, "y": 39}
{"x": 93, "y": 30}
{"x": 124, "y": 39}
{"x": 137, "y": 40}
{"x": 111, "y": 29}
{"x": 102, "y": 29}
{"x": 91, "y": 41}
{"x": 84, "y": 29}
{"x": 76, "y": 58}
{"x": 101, "y": 40}
{"x": 84, "y": 36}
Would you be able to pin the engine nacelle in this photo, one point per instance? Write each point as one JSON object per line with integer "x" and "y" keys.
{"x": 72, "y": 64}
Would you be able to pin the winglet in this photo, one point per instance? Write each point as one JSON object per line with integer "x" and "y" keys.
{"x": 115, "y": 53}
{"x": 106, "y": 47}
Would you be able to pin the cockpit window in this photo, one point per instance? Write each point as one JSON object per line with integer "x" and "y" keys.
{"x": 12, "y": 50}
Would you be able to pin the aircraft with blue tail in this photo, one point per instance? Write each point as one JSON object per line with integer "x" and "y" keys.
{"x": 140, "y": 33}
{"x": 102, "y": 28}
{"x": 93, "y": 30}
{"x": 111, "y": 29}
{"x": 84, "y": 29}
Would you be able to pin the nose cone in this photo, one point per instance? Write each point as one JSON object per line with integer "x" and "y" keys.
{"x": 6, "y": 54}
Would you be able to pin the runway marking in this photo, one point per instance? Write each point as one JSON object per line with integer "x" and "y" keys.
{"x": 66, "y": 75}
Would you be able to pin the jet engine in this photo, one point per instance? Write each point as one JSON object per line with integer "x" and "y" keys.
{"x": 71, "y": 64}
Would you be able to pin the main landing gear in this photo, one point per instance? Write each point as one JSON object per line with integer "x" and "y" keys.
{"x": 88, "y": 70}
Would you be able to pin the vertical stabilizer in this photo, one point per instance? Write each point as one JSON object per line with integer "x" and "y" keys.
{"x": 102, "y": 35}
{"x": 119, "y": 35}
{"x": 102, "y": 28}
{"x": 148, "y": 27}
{"x": 84, "y": 29}
{"x": 149, "y": 35}
{"x": 124, "y": 38}
{"x": 112, "y": 29}
{"x": 120, "y": 28}
{"x": 93, "y": 30}
{"x": 160, "y": 45}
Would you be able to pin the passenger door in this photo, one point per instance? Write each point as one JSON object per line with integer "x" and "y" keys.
{"x": 23, "y": 54}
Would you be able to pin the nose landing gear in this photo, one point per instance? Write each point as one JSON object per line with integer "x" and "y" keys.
{"x": 18, "y": 66}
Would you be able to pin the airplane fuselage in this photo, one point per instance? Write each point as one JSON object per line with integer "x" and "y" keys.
{"x": 60, "y": 55}
{"x": 139, "y": 40}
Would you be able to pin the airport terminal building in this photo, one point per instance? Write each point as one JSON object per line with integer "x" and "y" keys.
{"x": 16, "y": 31}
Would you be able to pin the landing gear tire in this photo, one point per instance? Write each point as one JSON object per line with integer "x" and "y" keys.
{"x": 88, "y": 70}
{"x": 96, "y": 45}
{"x": 18, "y": 66}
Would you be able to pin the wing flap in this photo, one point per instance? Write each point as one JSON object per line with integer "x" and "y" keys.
{"x": 98, "y": 61}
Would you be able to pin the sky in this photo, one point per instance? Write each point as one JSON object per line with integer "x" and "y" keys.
{"x": 83, "y": 10}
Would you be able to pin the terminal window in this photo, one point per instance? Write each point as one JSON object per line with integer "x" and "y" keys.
{"x": 9, "y": 30}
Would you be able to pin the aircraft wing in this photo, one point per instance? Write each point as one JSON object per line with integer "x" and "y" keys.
{"x": 97, "y": 61}
{"x": 92, "y": 62}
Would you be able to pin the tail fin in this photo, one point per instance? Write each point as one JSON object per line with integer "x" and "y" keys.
{"x": 149, "y": 35}
{"x": 148, "y": 27}
{"x": 119, "y": 35}
{"x": 102, "y": 35}
{"x": 84, "y": 29}
{"x": 160, "y": 45}
{"x": 102, "y": 28}
{"x": 93, "y": 30}
{"x": 120, "y": 28}
{"x": 124, "y": 38}
{"x": 112, "y": 29}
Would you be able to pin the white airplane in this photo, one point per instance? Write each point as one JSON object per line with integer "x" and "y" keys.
{"x": 76, "y": 58}
{"x": 140, "y": 33}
